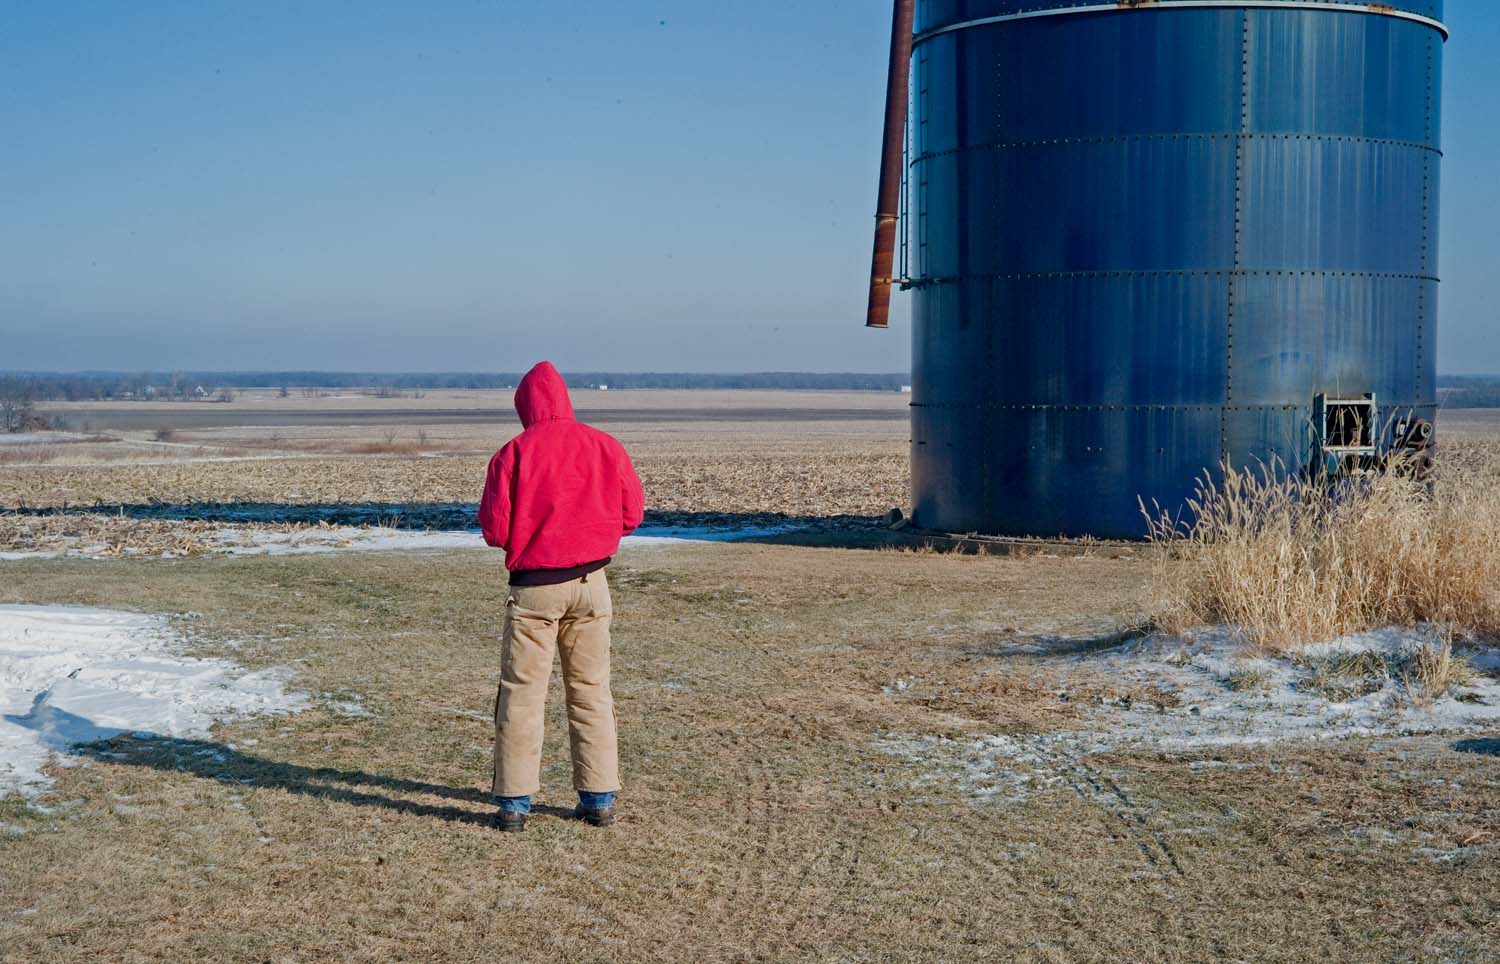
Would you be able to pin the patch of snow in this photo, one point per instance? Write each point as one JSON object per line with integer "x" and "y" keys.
{"x": 64, "y": 807}
{"x": 1200, "y": 711}
{"x": 1485, "y": 660}
{"x": 38, "y": 438}
{"x": 1457, "y": 855}
{"x": 243, "y": 542}
{"x": 1378, "y": 835}
{"x": 74, "y": 675}
{"x": 992, "y": 769}
{"x": 328, "y": 539}
{"x": 671, "y": 535}
{"x": 1282, "y": 706}
{"x": 187, "y": 459}
{"x": 382, "y": 539}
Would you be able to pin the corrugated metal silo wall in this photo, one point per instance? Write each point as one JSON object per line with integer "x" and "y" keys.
{"x": 1143, "y": 240}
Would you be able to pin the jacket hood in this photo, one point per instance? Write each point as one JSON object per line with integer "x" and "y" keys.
{"x": 543, "y": 395}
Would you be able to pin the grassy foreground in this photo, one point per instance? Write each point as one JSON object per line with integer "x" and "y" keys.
{"x": 760, "y": 821}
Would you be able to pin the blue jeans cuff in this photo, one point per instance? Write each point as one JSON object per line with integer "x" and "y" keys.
{"x": 515, "y": 804}
{"x": 589, "y": 800}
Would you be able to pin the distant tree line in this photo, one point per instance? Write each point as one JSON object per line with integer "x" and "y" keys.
{"x": 17, "y": 405}
{"x": 19, "y": 390}
{"x": 1469, "y": 391}
{"x": 219, "y": 386}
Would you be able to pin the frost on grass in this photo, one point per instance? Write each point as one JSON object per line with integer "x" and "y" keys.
{"x": 1384, "y": 683}
{"x": 73, "y": 675}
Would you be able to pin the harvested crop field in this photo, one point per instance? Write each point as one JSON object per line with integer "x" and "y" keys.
{"x": 806, "y": 463}
{"x": 830, "y": 753}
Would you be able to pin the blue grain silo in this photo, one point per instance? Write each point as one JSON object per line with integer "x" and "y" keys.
{"x": 1149, "y": 236}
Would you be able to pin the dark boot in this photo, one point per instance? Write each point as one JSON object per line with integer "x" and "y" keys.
{"x": 603, "y": 817}
{"x": 508, "y": 821}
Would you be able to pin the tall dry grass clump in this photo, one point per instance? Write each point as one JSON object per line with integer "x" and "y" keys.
{"x": 1287, "y": 560}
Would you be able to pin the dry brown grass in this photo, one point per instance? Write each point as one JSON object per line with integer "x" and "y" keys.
{"x": 27, "y": 454}
{"x": 1432, "y": 670}
{"x": 1286, "y": 560}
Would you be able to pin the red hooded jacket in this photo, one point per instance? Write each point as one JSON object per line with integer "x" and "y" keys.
{"x": 560, "y": 494}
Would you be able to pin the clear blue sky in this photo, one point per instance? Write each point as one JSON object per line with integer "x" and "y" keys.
{"x": 664, "y": 185}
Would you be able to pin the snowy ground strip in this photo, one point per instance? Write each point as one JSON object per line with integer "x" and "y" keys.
{"x": 327, "y": 539}
{"x": 39, "y": 438}
{"x": 1215, "y": 696}
{"x": 382, "y": 539}
{"x": 74, "y": 675}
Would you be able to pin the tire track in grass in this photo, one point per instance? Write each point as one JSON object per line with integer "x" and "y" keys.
{"x": 851, "y": 890}
{"x": 1099, "y": 789}
{"x": 1131, "y": 822}
{"x": 775, "y": 870}
{"x": 780, "y": 914}
{"x": 788, "y": 920}
{"x": 774, "y": 860}
{"x": 755, "y": 806}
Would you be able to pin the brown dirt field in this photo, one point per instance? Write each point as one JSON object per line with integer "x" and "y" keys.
{"x": 760, "y": 819}
{"x": 805, "y": 458}
{"x": 749, "y": 480}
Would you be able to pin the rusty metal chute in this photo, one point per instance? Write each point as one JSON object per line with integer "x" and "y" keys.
{"x": 887, "y": 207}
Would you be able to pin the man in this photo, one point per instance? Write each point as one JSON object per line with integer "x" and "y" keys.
{"x": 557, "y": 499}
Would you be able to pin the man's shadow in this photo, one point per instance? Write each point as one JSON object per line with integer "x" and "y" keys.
{"x": 224, "y": 764}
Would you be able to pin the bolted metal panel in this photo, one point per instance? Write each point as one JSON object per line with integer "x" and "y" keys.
{"x": 1144, "y": 238}
{"x": 1302, "y": 333}
{"x": 1103, "y": 343}
{"x": 1065, "y": 470}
